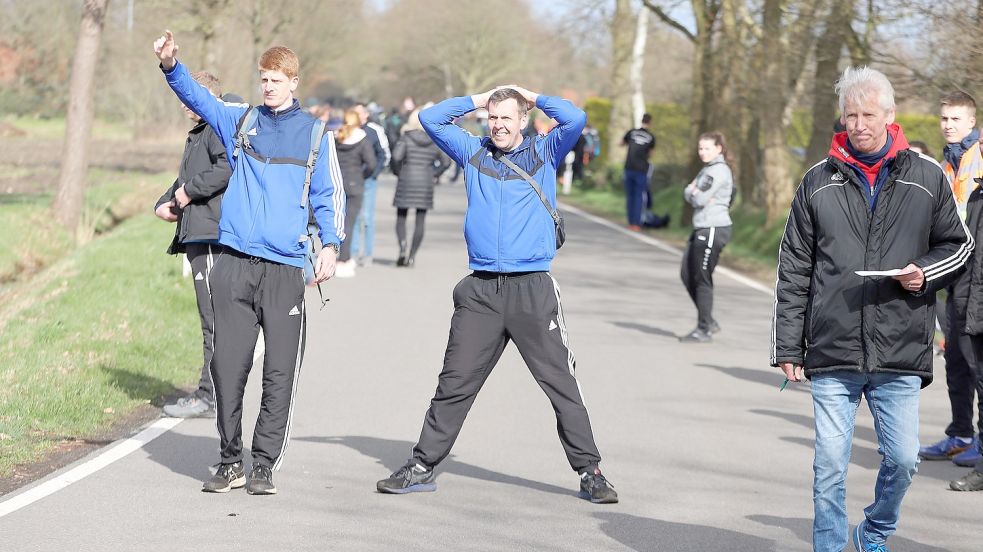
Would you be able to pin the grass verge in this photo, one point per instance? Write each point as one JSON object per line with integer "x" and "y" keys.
{"x": 105, "y": 330}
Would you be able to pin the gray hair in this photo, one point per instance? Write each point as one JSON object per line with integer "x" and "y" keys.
{"x": 857, "y": 83}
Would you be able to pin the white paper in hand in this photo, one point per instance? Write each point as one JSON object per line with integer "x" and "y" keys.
{"x": 892, "y": 272}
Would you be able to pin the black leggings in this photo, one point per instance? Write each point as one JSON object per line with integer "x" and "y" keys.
{"x": 421, "y": 218}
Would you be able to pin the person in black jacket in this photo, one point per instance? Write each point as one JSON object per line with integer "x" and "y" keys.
{"x": 194, "y": 202}
{"x": 356, "y": 157}
{"x": 418, "y": 163}
{"x": 872, "y": 205}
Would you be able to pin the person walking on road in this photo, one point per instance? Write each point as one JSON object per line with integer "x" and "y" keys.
{"x": 194, "y": 202}
{"x": 963, "y": 165}
{"x": 872, "y": 205}
{"x": 418, "y": 163}
{"x": 511, "y": 239}
{"x": 258, "y": 280}
{"x": 363, "y": 233}
{"x": 640, "y": 143}
{"x": 710, "y": 194}
{"x": 356, "y": 157}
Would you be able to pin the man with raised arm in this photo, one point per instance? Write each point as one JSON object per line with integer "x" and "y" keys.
{"x": 510, "y": 295}
{"x": 258, "y": 281}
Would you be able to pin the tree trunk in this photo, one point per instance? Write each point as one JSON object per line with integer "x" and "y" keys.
{"x": 67, "y": 205}
{"x": 824, "y": 99}
{"x": 622, "y": 37}
{"x": 775, "y": 160}
{"x": 637, "y": 64}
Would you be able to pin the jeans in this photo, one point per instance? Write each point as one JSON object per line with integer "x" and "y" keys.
{"x": 366, "y": 219}
{"x": 636, "y": 183}
{"x": 893, "y": 402}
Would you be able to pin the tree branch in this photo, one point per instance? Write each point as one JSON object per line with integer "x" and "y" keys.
{"x": 661, "y": 14}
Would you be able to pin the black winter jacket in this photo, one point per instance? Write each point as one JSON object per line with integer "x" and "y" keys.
{"x": 972, "y": 300}
{"x": 828, "y": 318}
{"x": 357, "y": 162}
{"x": 205, "y": 173}
{"x": 418, "y": 162}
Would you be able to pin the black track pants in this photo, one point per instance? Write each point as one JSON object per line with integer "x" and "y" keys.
{"x": 489, "y": 310}
{"x": 202, "y": 257}
{"x": 699, "y": 260}
{"x": 249, "y": 293}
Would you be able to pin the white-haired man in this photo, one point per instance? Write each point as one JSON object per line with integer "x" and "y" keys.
{"x": 872, "y": 205}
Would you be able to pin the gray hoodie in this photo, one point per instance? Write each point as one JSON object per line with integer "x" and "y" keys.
{"x": 710, "y": 194}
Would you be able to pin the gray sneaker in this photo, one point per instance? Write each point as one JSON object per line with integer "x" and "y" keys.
{"x": 189, "y": 407}
{"x": 411, "y": 478}
{"x": 226, "y": 478}
{"x": 260, "y": 481}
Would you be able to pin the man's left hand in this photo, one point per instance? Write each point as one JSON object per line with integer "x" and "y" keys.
{"x": 911, "y": 278}
{"x": 182, "y": 197}
{"x": 326, "y": 260}
{"x": 529, "y": 96}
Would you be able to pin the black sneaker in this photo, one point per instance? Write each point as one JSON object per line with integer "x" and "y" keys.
{"x": 226, "y": 478}
{"x": 597, "y": 489}
{"x": 696, "y": 336}
{"x": 973, "y": 481}
{"x": 260, "y": 481}
{"x": 411, "y": 478}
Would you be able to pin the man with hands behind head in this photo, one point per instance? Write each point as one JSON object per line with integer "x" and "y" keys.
{"x": 258, "y": 281}
{"x": 510, "y": 295}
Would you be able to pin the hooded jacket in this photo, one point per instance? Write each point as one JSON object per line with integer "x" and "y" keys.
{"x": 507, "y": 228}
{"x": 263, "y": 213}
{"x": 420, "y": 162}
{"x": 204, "y": 172}
{"x": 827, "y": 317}
{"x": 711, "y": 195}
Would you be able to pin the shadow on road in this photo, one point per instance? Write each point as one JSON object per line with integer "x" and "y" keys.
{"x": 644, "y": 329}
{"x": 393, "y": 454}
{"x": 141, "y": 386}
{"x": 653, "y": 535}
{"x": 771, "y": 379}
{"x": 802, "y": 528}
{"x": 188, "y": 455}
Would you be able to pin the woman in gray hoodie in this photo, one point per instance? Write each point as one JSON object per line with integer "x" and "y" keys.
{"x": 710, "y": 194}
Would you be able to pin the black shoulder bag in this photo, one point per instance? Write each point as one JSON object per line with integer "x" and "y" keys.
{"x": 561, "y": 234}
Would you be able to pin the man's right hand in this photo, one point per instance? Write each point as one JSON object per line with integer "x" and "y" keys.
{"x": 164, "y": 213}
{"x": 166, "y": 50}
{"x": 793, "y": 372}
{"x": 481, "y": 100}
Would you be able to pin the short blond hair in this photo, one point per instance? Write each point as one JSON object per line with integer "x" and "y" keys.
{"x": 209, "y": 81}
{"x": 282, "y": 59}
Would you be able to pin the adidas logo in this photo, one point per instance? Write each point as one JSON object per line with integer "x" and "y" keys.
{"x": 294, "y": 311}
{"x": 837, "y": 177}
{"x": 552, "y": 325}
{"x": 199, "y": 277}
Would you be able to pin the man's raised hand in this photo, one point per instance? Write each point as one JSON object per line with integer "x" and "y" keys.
{"x": 166, "y": 50}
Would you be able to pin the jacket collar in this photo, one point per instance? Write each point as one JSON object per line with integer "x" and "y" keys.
{"x": 840, "y": 150}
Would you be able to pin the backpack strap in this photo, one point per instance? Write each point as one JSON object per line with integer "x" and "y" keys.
{"x": 532, "y": 182}
{"x": 316, "y": 131}
{"x": 242, "y": 140}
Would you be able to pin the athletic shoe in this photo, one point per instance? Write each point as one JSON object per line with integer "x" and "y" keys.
{"x": 972, "y": 481}
{"x": 861, "y": 543}
{"x": 714, "y": 327}
{"x": 411, "y": 478}
{"x": 696, "y": 336}
{"x": 260, "y": 481}
{"x": 597, "y": 489}
{"x": 944, "y": 449}
{"x": 226, "y": 478}
{"x": 345, "y": 269}
{"x": 969, "y": 457}
{"x": 189, "y": 407}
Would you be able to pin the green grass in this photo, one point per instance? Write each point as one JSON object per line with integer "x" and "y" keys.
{"x": 106, "y": 329}
{"x": 54, "y": 128}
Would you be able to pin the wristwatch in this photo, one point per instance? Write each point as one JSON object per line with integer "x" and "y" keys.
{"x": 332, "y": 246}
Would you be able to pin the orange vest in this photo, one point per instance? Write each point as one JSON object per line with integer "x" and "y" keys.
{"x": 963, "y": 181}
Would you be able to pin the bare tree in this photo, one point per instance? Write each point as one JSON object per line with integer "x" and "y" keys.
{"x": 69, "y": 198}
{"x": 637, "y": 63}
{"x": 622, "y": 27}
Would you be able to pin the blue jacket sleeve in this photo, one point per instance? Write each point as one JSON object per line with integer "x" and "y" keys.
{"x": 571, "y": 121}
{"x": 438, "y": 121}
{"x": 222, "y": 116}
{"x": 327, "y": 194}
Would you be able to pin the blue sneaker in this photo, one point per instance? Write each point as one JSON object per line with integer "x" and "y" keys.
{"x": 969, "y": 457}
{"x": 944, "y": 449}
{"x": 861, "y": 543}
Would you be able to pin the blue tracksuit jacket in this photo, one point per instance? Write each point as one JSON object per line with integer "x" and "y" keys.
{"x": 507, "y": 228}
{"x": 262, "y": 213}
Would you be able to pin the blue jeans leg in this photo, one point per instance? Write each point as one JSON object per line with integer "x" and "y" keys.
{"x": 893, "y": 402}
{"x": 634, "y": 189}
{"x": 364, "y": 230}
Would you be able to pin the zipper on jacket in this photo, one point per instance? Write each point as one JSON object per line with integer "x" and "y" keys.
{"x": 498, "y": 237}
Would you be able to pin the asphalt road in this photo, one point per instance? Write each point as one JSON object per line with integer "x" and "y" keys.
{"x": 705, "y": 452}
